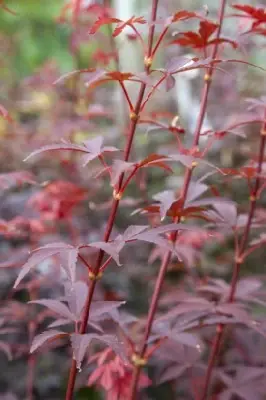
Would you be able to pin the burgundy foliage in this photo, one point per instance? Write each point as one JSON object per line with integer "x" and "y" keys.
{"x": 94, "y": 224}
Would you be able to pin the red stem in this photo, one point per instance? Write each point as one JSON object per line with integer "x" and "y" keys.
{"x": 187, "y": 178}
{"x": 126, "y": 95}
{"x": 130, "y": 176}
{"x": 30, "y": 377}
{"x": 239, "y": 261}
{"x": 162, "y": 35}
{"x": 114, "y": 208}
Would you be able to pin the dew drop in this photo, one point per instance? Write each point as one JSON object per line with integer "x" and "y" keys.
{"x": 198, "y": 347}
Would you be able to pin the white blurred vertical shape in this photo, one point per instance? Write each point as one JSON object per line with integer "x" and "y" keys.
{"x": 128, "y": 50}
{"x": 189, "y": 104}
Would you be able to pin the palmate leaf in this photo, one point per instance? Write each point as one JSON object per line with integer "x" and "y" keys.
{"x": 42, "y": 253}
{"x": 80, "y": 344}
{"x": 247, "y": 289}
{"x": 166, "y": 199}
{"x": 119, "y": 167}
{"x": 202, "y": 38}
{"x": 195, "y": 190}
{"x": 111, "y": 248}
{"x": 248, "y": 383}
{"x": 228, "y": 210}
{"x": 133, "y": 230}
{"x": 183, "y": 15}
{"x": 52, "y": 334}
{"x": 76, "y": 295}
{"x": 92, "y": 149}
{"x": 172, "y": 372}
{"x": 153, "y": 160}
{"x": 56, "y": 306}
{"x": 100, "y": 308}
{"x": 257, "y": 14}
{"x": 183, "y": 64}
{"x": 120, "y": 24}
{"x": 142, "y": 233}
{"x": 156, "y": 160}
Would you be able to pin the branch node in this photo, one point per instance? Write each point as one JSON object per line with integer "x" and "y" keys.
{"x": 133, "y": 116}
{"x": 95, "y": 277}
{"x": 117, "y": 195}
{"x": 207, "y": 78}
{"x": 239, "y": 259}
{"x": 147, "y": 61}
{"x": 252, "y": 198}
{"x": 138, "y": 361}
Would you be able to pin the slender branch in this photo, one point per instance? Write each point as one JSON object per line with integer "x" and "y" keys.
{"x": 187, "y": 179}
{"x": 238, "y": 262}
{"x": 126, "y": 95}
{"x": 31, "y": 362}
{"x": 114, "y": 208}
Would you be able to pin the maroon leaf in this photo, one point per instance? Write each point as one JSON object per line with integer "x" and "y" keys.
{"x": 76, "y": 295}
{"x": 93, "y": 148}
{"x": 69, "y": 261}
{"x": 100, "y": 76}
{"x": 56, "y": 306}
{"x": 172, "y": 372}
{"x": 248, "y": 383}
{"x": 96, "y": 148}
{"x": 195, "y": 190}
{"x": 166, "y": 199}
{"x": 39, "y": 340}
{"x": 247, "y": 287}
{"x": 80, "y": 344}
{"x": 169, "y": 82}
{"x": 154, "y": 160}
{"x": 235, "y": 310}
{"x": 40, "y": 254}
{"x": 111, "y": 248}
{"x": 98, "y": 308}
{"x": 133, "y": 230}
{"x": 177, "y": 63}
{"x": 188, "y": 339}
{"x": 227, "y": 210}
{"x": 59, "y": 322}
{"x": 119, "y": 167}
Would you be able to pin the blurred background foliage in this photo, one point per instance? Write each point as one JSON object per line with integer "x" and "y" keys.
{"x": 32, "y": 36}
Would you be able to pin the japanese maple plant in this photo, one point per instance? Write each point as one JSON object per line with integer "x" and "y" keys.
{"x": 202, "y": 331}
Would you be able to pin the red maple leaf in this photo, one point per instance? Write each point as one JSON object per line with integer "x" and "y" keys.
{"x": 202, "y": 38}
{"x": 120, "y": 24}
{"x": 257, "y": 14}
